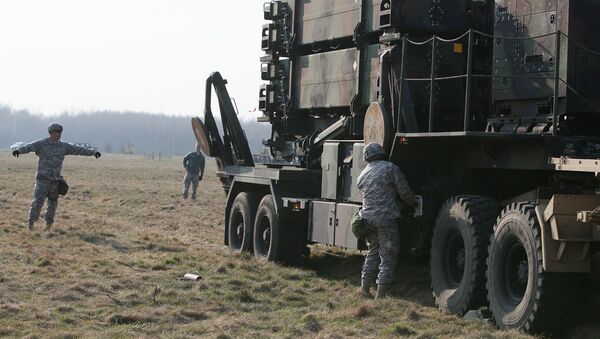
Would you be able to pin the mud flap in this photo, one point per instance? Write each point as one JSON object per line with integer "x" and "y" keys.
{"x": 566, "y": 241}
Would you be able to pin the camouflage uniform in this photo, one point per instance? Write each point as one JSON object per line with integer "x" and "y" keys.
{"x": 380, "y": 182}
{"x": 194, "y": 166}
{"x": 51, "y": 155}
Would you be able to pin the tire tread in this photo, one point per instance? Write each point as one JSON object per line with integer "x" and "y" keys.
{"x": 555, "y": 292}
{"x": 481, "y": 212}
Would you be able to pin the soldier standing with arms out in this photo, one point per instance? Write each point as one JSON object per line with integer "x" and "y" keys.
{"x": 379, "y": 183}
{"x": 51, "y": 153}
{"x": 194, "y": 167}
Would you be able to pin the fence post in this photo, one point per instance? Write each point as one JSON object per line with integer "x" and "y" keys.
{"x": 468, "y": 81}
{"x": 556, "y": 83}
{"x": 432, "y": 83}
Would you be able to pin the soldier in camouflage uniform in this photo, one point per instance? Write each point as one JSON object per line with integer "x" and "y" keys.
{"x": 194, "y": 170}
{"x": 380, "y": 182}
{"x": 51, "y": 153}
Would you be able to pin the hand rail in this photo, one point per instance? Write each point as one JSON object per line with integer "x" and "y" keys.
{"x": 556, "y": 84}
{"x": 468, "y": 80}
{"x": 468, "y": 76}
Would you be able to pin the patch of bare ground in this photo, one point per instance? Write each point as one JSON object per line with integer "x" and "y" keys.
{"x": 123, "y": 238}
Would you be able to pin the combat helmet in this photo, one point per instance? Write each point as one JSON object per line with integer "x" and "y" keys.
{"x": 372, "y": 151}
{"x": 55, "y": 127}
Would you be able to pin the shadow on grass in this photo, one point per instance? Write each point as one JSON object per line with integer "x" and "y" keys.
{"x": 109, "y": 241}
{"x": 411, "y": 279}
{"x": 586, "y": 319}
{"x": 130, "y": 319}
{"x": 412, "y": 283}
{"x": 160, "y": 248}
{"x": 97, "y": 239}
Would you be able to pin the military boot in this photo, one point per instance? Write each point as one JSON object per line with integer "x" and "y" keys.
{"x": 30, "y": 225}
{"x": 365, "y": 287}
{"x": 48, "y": 226}
{"x": 383, "y": 291}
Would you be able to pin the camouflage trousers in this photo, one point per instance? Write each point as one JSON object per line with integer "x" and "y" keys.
{"x": 44, "y": 189}
{"x": 381, "y": 258}
{"x": 192, "y": 179}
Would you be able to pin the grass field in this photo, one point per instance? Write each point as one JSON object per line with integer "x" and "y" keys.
{"x": 123, "y": 238}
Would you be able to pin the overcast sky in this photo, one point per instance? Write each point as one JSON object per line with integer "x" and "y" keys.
{"x": 137, "y": 55}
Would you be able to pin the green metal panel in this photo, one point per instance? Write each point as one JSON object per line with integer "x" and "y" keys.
{"x": 528, "y": 7}
{"x": 433, "y": 14}
{"x": 343, "y": 225}
{"x": 536, "y": 55}
{"x": 528, "y": 57}
{"x": 322, "y": 222}
{"x": 329, "y": 165}
{"x": 326, "y": 20}
{"x": 358, "y": 164}
{"x": 506, "y": 8}
{"x": 371, "y": 12}
{"x": 326, "y": 79}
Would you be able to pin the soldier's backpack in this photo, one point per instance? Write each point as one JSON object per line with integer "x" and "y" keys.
{"x": 360, "y": 227}
{"x": 63, "y": 187}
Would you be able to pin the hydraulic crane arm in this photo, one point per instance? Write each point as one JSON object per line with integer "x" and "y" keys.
{"x": 233, "y": 149}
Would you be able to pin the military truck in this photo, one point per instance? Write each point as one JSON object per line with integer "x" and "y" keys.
{"x": 490, "y": 108}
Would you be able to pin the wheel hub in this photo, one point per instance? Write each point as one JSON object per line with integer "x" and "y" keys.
{"x": 460, "y": 260}
{"x": 263, "y": 236}
{"x": 522, "y": 272}
{"x": 456, "y": 258}
{"x": 266, "y": 235}
{"x": 239, "y": 230}
{"x": 516, "y": 271}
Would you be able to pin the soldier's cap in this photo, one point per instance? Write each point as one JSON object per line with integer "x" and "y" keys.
{"x": 372, "y": 150}
{"x": 55, "y": 127}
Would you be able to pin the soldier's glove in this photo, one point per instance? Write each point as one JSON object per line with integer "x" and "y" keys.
{"x": 16, "y": 153}
{"x": 97, "y": 155}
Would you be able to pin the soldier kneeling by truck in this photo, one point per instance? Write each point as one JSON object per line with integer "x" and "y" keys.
{"x": 379, "y": 183}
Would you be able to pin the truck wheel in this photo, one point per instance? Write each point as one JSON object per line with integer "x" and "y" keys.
{"x": 267, "y": 231}
{"x": 459, "y": 250}
{"x": 241, "y": 221}
{"x": 277, "y": 238}
{"x": 520, "y": 294}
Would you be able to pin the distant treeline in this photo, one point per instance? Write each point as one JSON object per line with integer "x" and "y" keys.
{"x": 116, "y": 132}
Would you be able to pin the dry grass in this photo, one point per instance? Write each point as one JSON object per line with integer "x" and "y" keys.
{"x": 123, "y": 238}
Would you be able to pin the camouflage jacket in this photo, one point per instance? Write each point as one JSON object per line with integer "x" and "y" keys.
{"x": 51, "y": 156}
{"x": 379, "y": 182}
{"x": 194, "y": 163}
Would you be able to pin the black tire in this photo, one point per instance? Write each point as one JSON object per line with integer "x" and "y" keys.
{"x": 241, "y": 222}
{"x": 520, "y": 294}
{"x": 459, "y": 251}
{"x": 276, "y": 238}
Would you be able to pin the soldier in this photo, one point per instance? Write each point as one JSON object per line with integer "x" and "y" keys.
{"x": 194, "y": 167}
{"x": 379, "y": 183}
{"x": 51, "y": 153}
